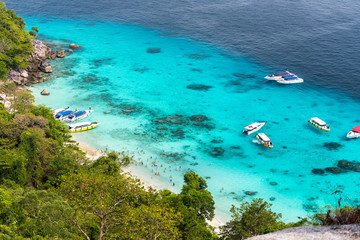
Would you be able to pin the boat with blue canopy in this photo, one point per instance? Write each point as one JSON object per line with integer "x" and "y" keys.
{"x": 78, "y": 115}
{"x": 62, "y": 115}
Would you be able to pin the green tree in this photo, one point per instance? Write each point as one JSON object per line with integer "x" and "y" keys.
{"x": 195, "y": 195}
{"x": 100, "y": 199}
{"x": 251, "y": 219}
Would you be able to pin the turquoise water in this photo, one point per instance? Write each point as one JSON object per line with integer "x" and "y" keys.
{"x": 129, "y": 87}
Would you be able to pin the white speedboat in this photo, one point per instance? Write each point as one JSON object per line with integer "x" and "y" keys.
{"x": 60, "y": 110}
{"x": 354, "y": 133}
{"x": 290, "y": 79}
{"x": 77, "y": 115}
{"x": 83, "y": 126}
{"x": 63, "y": 114}
{"x": 253, "y": 127}
{"x": 320, "y": 124}
{"x": 277, "y": 76}
{"x": 264, "y": 140}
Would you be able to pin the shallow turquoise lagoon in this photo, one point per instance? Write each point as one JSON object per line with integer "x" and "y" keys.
{"x": 128, "y": 87}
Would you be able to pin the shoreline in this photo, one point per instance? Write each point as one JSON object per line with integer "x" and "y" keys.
{"x": 92, "y": 154}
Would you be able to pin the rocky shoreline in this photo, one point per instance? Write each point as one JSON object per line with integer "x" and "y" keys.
{"x": 38, "y": 66}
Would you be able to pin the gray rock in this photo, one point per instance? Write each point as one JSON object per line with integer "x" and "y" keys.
{"x": 217, "y": 151}
{"x": 334, "y": 232}
{"x": 46, "y": 67}
{"x": 60, "y": 53}
{"x": 23, "y": 73}
{"x": 74, "y": 46}
{"x": 45, "y": 92}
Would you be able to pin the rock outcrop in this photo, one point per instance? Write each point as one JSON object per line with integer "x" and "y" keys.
{"x": 335, "y": 232}
{"x": 74, "y": 46}
{"x": 45, "y": 92}
{"x": 38, "y": 64}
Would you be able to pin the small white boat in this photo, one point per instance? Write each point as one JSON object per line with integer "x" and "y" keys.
{"x": 264, "y": 140}
{"x": 354, "y": 133}
{"x": 60, "y": 110}
{"x": 77, "y": 115}
{"x": 277, "y": 76}
{"x": 320, "y": 124}
{"x": 63, "y": 114}
{"x": 253, "y": 127}
{"x": 83, "y": 126}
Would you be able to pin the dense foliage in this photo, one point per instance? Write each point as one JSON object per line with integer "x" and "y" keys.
{"x": 15, "y": 42}
{"x": 253, "y": 219}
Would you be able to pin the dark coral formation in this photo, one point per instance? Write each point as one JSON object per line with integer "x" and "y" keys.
{"x": 199, "y": 87}
{"x": 331, "y": 146}
{"x": 153, "y": 50}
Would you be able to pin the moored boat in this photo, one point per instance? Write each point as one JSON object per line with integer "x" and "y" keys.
{"x": 83, "y": 126}
{"x": 320, "y": 124}
{"x": 264, "y": 140}
{"x": 77, "y": 115}
{"x": 62, "y": 115}
{"x": 277, "y": 76}
{"x": 253, "y": 127}
{"x": 354, "y": 133}
{"x": 60, "y": 110}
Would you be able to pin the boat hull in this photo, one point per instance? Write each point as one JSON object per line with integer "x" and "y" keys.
{"x": 299, "y": 80}
{"x": 248, "y": 132}
{"x": 352, "y": 134}
{"x": 85, "y": 128}
{"x": 319, "y": 127}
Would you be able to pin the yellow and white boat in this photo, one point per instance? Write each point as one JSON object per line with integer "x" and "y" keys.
{"x": 83, "y": 126}
{"x": 264, "y": 140}
{"x": 320, "y": 124}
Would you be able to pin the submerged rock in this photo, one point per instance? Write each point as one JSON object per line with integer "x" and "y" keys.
{"x": 161, "y": 128}
{"x": 45, "y": 92}
{"x": 199, "y": 87}
{"x": 332, "y": 145}
{"x": 198, "y": 118}
{"x": 217, "y": 151}
{"x": 153, "y": 50}
{"x": 197, "y": 56}
{"x": 250, "y": 193}
{"x": 352, "y": 166}
{"x": 272, "y": 199}
{"x": 170, "y": 120}
{"x": 333, "y": 170}
{"x": 241, "y": 75}
{"x": 178, "y": 133}
{"x": 318, "y": 171}
{"x": 273, "y": 183}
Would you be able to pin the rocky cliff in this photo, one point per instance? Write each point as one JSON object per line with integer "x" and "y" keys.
{"x": 34, "y": 73}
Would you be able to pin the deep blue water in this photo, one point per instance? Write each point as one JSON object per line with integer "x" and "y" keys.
{"x": 230, "y": 46}
{"x": 317, "y": 39}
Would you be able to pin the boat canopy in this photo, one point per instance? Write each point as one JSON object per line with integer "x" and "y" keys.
{"x": 319, "y": 121}
{"x": 77, "y": 114}
{"x": 281, "y": 73}
{"x": 264, "y": 137}
{"x": 291, "y": 78}
{"x": 63, "y": 113}
{"x": 356, "y": 129}
{"x": 290, "y": 75}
